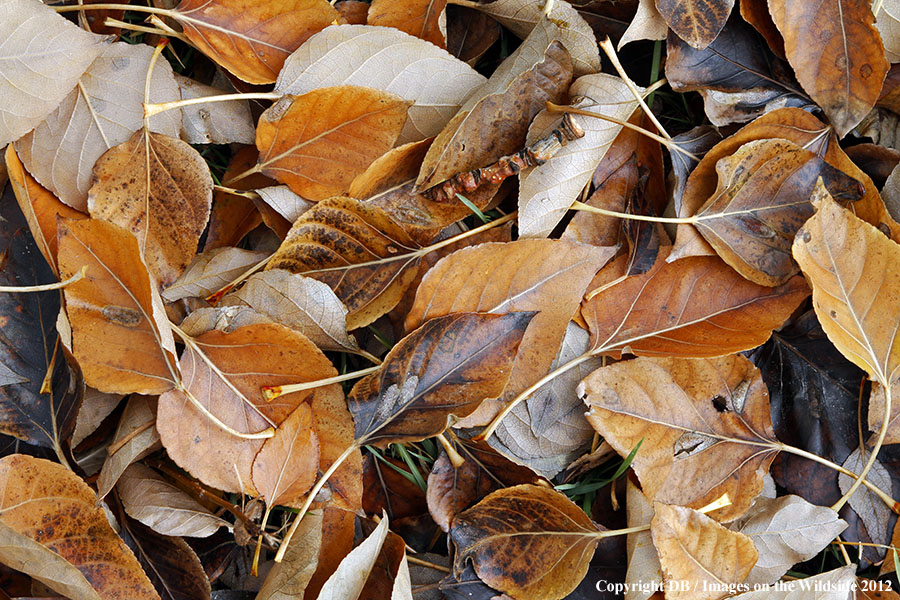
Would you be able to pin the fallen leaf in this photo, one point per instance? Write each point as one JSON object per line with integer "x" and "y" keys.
{"x": 288, "y": 579}
{"x": 252, "y": 38}
{"x": 756, "y": 13}
{"x": 338, "y": 533}
{"x": 837, "y": 55}
{"x": 528, "y": 541}
{"x": 420, "y": 18}
{"x": 160, "y": 189}
{"x": 121, "y": 337}
{"x": 386, "y": 59}
{"x": 445, "y": 367}
{"x": 53, "y": 530}
{"x": 354, "y": 12}
{"x": 318, "y": 142}
{"x": 136, "y": 437}
{"x": 470, "y": 33}
{"x": 647, "y": 24}
{"x": 697, "y": 22}
{"x": 161, "y": 506}
{"x": 887, "y": 22}
{"x": 704, "y": 423}
{"x": 875, "y": 514}
{"x": 388, "y": 487}
{"x": 221, "y": 318}
{"x": 833, "y": 585}
{"x": 644, "y": 569}
{"x": 43, "y": 56}
{"x": 211, "y": 271}
{"x": 219, "y": 123}
{"x": 103, "y": 111}
{"x": 233, "y": 216}
{"x": 287, "y": 464}
{"x": 95, "y": 407}
{"x": 696, "y": 550}
{"x": 285, "y": 202}
{"x": 390, "y": 573}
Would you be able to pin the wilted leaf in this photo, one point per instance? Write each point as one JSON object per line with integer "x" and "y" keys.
{"x": 287, "y": 464}
{"x": 833, "y": 585}
{"x": 445, "y": 367}
{"x": 528, "y": 541}
{"x": 158, "y": 504}
{"x": 786, "y": 531}
{"x": 389, "y": 60}
{"x": 104, "y": 110}
{"x": 318, "y": 142}
{"x": 698, "y": 22}
{"x": 704, "y": 423}
{"x": 121, "y": 337}
{"x": 424, "y": 19}
{"x": 875, "y": 514}
{"x": 136, "y": 437}
{"x": 647, "y": 24}
{"x": 288, "y": 579}
{"x": 696, "y": 550}
{"x": 547, "y": 191}
{"x": 252, "y": 38}
{"x": 211, "y": 271}
{"x": 42, "y": 57}
{"x": 219, "y": 123}
{"x": 221, "y": 318}
{"x": 54, "y": 531}
{"x": 836, "y": 53}
{"x": 160, "y": 189}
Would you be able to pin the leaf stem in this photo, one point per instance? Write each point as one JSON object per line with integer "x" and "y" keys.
{"x": 154, "y": 109}
{"x": 24, "y": 289}
{"x": 426, "y": 564}
{"x": 274, "y": 391}
{"x": 456, "y": 459}
{"x": 136, "y": 8}
{"x": 111, "y": 22}
{"x": 612, "y": 213}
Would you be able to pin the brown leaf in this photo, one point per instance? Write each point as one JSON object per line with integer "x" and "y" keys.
{"x": 354, "y": 12}
{"x": 705, "y": 425}
{"x": 233, "y": 216}
{"x": 470, "y": 33}
{"x": 54, "y": 531}
{"x": 286, "y": 466}
{"x": 421, "y": 18}
{"x": 528, "y": 541}
{"x": 319, "y": 142}
{"x": 836, "y": 53}
{"x": 338, "y": 531}
{"x": 335, "y": 429}
{"x": 160, "y": 189}
{"x": 95, "y": 407}
{"x": 696, "y": 550}
{"x": 288, "y": 579}
{"x": 341, "y": 232}
{"x": 136, "y": 437}
{"x": 698, "y": 22}
{"x": 696, "y": 306}
{"x": 756, "y": 13}
{"x": 445, "y": 367}
{"x": 252, "y": 38}
{"x": 211, "y": 271}
{"x": 249, "y": 357}
{"x": 120, "y": 333}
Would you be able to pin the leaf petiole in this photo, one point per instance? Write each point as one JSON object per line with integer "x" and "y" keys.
{"x": 14, "y": 289}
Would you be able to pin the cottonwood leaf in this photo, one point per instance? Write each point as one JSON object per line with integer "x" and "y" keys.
{"x": 104, "y": 110}
{"x": 547, "y": 191}
{"x": 120, "y": 333}
{"x": 887, "y": 21}
{"x": 704, "y": 423}
{"x": 283, "y": 201}
{"x": 786, "y": 531}
{"x": 494, "y": 121}
{"x": 522, "y": 17}
{"x": 643, "y": 560}
{"x": 445, "y": 367}
{"x": 316, "y": 143}
{"x": 233, "y": 216}
{"x": 136, "y": 437}
{"x": 833, "y": 585}
{"x": 95, "y": 407}
{"x": 211, "y": 271}
{"x": 761, "y": 202}
{"x": 470, "y": 33}
{"x": 527, "y": 541}
{"x": 695, "y": 549}
{"x": 875, "y": 514}
{"x": 424, "y": 19}
{"x": 334, "y": 427}
{"x": 647, "y": 24}
{"x": 548, "y": 276}
{"x": 329, "y": 239}
{"x": 287, "y": 464}
{"x": 41, "y": 58}
{"x": 161, "y": 506}
{"x": 221, "y": 318}
{"x": 54, "y": 531}
{"x": 249, "y": 357}
{"x": 548, "y": 431}
{"x": 386, "y": 59}
{"x": 252, "y": 39}
{"x": 160, "y": 189}
{"x": 756, "y": 13}
{"x": 301, "y": 303}
{"x": 697, "y": 22}
{"x": 697, "y": 306}
{"x": 288, "y": 579}
{"x": 836, "y": 53}
{"x": 218, "y": 123}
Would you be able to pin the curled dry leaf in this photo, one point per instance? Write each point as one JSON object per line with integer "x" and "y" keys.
{"x": 160, "y": 189}
{"x": 211, "y": 271}
{"x": 287, "y": 464}
{"x": 52, "y": 528}
{"x": 329, "y": 239}
{"x": 389, "y": 60}
{"x": 249, "y": 357}
{"x": 219, "y": 123}
{"x": 698, "y": 22}
{"x": 444, "y": 368}
{"x": 42, "y": 57}
{"x": 252, "y": 38}
{"x": 424, "y": 19}
{"x": 528, "y": 541}
{"x": 836, "y": 53}
{"x": 104, "y": 110}
{"x": 161, "y": 506}
{"x": 136, "y": 437}
{"x": 704, "y": 423}
{"x": 120, "y": 334}
{"x": 698, "y": 551}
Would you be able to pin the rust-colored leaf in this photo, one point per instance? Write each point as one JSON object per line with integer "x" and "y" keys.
{"x": 528, "y": 541}
{"x": 287, "y": 464}
{"x": 445, "y": 367}
{"x": 421, "y": 18}
{"x": 120, "y": 333}
{"x": 232, "y": 217}
{"x": 705, "y": 425}
{"x": 698, "y": 22}
{"x": 836, "y": 53}
{"x": 319, "y": 142}
{"x": 252, "y": 38}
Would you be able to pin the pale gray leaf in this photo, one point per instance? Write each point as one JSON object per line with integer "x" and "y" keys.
{"x": 288, "y": 579}
{"x": 95, "y": 407}
{"x": 214, "y": 123}
{"x": 347, "y": 582}
{"x": 874, "y": 513}
{"x": 644, "y": 569}
{"x": 210, "y": 271}
{"x": 223, "y": 318}
{"x": 833, "y": 585}
{"x": 285, "y": 202}
{"x": 135, "y": 438}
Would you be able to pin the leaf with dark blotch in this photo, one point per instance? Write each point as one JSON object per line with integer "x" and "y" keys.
{"x": 528, "y": 541}
{"x": 445, "y": 367}
{"x": 698, "y": 22}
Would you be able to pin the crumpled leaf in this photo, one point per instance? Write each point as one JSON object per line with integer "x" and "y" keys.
{"x": 697, "y": 22}
{"x": 42, "y": 56}
{"x": 211, "y": 271}
{"x": 215, "y": 123}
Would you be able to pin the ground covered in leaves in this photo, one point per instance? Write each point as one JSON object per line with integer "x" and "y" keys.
{"x": 417, "y": 299}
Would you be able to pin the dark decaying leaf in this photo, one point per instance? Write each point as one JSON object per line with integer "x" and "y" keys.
{"x": 445, "y": 367}
{"x": 698, "y": 22}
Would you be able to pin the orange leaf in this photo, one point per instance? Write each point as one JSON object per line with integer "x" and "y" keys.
{"x": 420, "y": 18}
